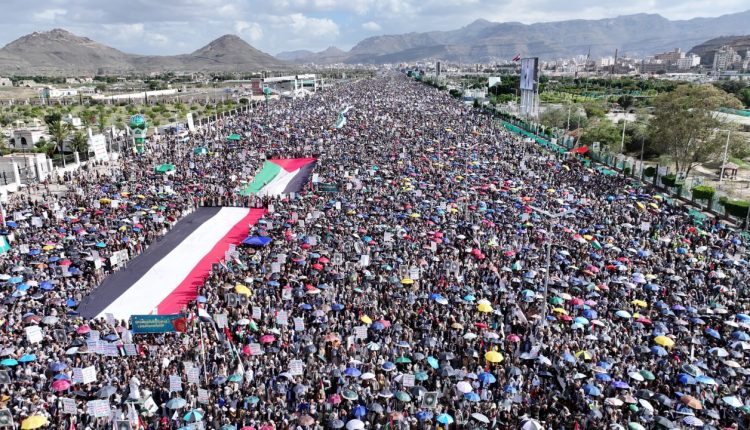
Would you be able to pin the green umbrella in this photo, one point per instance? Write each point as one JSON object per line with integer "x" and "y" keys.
{"x": 400, "y": 395}
{"x": 228, "y": 427}
{"x": 556, "y": 301}
{"x": 164, "y": 168}
{"x": 633, "y": 408}
{"x": 349, "y": 395}
{"x": 253, "y": 326}
{"x": 635, "y": 426}
{"x": 200, "y": 151}
{"x": 403, "y": 360}
{"x": 252, "y": 400}
{"x": 234, "y": 136}
{"x": 235, "y": 378}
{"x": 421, "y": 376}
{"x": 647, "y": 375}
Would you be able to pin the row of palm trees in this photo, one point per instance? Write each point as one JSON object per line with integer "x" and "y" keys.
{"x": 59, "y": 132}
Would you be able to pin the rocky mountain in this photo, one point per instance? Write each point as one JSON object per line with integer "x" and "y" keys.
{"x": 482, "y": 40}
{"x": 59, "y": 52}
{"x": 707, "y": 49}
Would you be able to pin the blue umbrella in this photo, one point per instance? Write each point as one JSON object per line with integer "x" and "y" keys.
{"x": 570, "y": 358}
{"x": 377, "y": 326}
{"x": 388, "y": 366}
{"x": 703, "y": 379}
{"x": 61, "y": 376}
{"x": 432, "y": 361}
{"x": 257, "y": 241}
{"x": 444, "y": 419}
{"x": 603, "y": 377}
{"x": 352, "y": 371}
{"x": 9, "y": 362}
{"x": 592, "y": 390}
{"x": 590, "y": 314}
{"x": 424, "y": 415}
{"x": 469, "y": 298}
{"x": 487, "y": 378}
{"x": 659, "y": 351}
{"x": 56, "y": 367}
{"x": 27, "y": 358}
{"x": 22, "y": 287}
{"x": 510, "y": 389}
{"x": 359, "y": 411}
{"x": 193, "y": 415}
{"x": 176, "y": 403}
{"x": 472, "y": 397}
{"x": 685, "y": 379}
{"x": 46, "y": 285}
{"x": 201, "y": 299}
{"x": 15, "y": 280}
{"x": 581, "y": 320}
{"x": 337, "y": 307}
{"x": 713, "y": 333}
{"x": 740, "y": 335}
{"x": 622, "y": 385}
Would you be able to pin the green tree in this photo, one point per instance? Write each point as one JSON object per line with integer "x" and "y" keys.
{"x": 685, "y": 123}
{"x": 625, "y": 101}
{"x": 102, "y": 118}
{"x": 58, "y": 130}
{"x": 79, "y": 143}
{"x": 603, "y": 131}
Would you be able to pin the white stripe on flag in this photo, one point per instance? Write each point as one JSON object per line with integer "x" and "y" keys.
{"x": 278, "y": 184}
{"x": 167, "y": 274}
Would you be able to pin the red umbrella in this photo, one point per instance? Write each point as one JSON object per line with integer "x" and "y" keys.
{"x": 481, "y": 325}
{"x": 576, "y": 301}
{"x": 267, "y": 338}
{"x": 323, "y": 260}
{"x": 65, "y": 263}
{"x": 83, "y": 329}
{"x": 317, "y": 266}
{"x": 60, "y": 385}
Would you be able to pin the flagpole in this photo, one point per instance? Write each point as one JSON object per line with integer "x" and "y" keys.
{"x": 203, "y": 352}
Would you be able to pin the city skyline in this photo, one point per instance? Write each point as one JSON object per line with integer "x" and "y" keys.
{"x": 171, "y": 27}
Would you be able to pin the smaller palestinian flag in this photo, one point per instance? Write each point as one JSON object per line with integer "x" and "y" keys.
{"x": 282, "y": 176}
{"x": 595, "y": 243}
{"x": 517, "y": 58}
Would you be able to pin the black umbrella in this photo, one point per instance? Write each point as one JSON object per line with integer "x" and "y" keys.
{"x": 664, "y": 422}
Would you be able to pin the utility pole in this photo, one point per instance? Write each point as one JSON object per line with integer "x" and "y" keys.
{"x": 726, "y": 149}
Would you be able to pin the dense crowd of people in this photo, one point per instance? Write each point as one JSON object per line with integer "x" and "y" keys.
{"x": 459, "y": 277}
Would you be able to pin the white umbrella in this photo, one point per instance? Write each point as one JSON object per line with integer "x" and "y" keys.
{"x": 480, "y": 417}
{"x": 613, "y": 401}
{"x": 636, "y": 376}
{"x": 646, "y": 404}
{"x": 532, "y": 425}
{"x": 368, "y": 375}
{"x": 355, "y": 424}
{"x": 464, "y": 387}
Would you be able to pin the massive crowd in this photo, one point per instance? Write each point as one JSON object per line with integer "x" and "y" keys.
{"x": 416, "y": 296}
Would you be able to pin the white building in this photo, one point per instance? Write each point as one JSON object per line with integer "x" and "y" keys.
{"x": 26, "y": 138}
{"x": 57, "y": 93}
{"x": 6, "y": 82}
{"x": 688, "y": 62}
{"x": 72, "y": 120}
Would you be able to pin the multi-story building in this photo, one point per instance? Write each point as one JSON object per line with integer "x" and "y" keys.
{"x": 670, "y": 57}
{"x": 724, "y": 58}
{"x": 688, "y": 62}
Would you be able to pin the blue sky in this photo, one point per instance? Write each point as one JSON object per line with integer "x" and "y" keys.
{"x": 181, "y": 26}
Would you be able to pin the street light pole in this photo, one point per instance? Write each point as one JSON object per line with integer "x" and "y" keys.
{"x": 723, "y": 163}
{"x": 642, "y": 146}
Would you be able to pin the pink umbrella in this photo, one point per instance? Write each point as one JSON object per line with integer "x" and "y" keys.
{"x": 513, "y": 338}
{"x": 60, "y": 385}
{"x": 267, "y": 338}
{"x": 334, "y": 399}
{"x": 385, "y": 323}
{"x": 83, "y": 329}
{"x": 576, "y": 301}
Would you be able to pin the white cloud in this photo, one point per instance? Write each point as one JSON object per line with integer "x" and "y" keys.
{"x": 251, "y": 30}
{"x": 372, "y": 26}
{"x": 49, "y": 14}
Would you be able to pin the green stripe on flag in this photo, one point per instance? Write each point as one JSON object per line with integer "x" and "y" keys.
{"x": 4, "y": 245}
{"x": 266, "y": 175}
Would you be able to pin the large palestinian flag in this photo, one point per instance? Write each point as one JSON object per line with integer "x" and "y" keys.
{"x": 282, "y": 176}
{"x": 167, "y": 275}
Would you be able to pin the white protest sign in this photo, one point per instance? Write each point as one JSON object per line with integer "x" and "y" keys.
{"x": 408, "y": 380}
{"x": 77, "y": 375}
{"x": 414, "y": 273}
{"x": 256, "y": 312}
{"x": 34, "y": 334}
{"x": 98, "y": 408}
{"x": 282, "y": 318}
{"x": 221, "y": 320}
{"x": 360, "y": 332}
{"x": 275, "y": 267}
{"x": 193, "y": 375}
{"x": 88, "y": 374}
{"x": 175, "y": 383}
{"x": 255, "y": 349}
{"x": 110, "y": 318}
{"x": 299, "y": 324}
{"x": 94, "y": 335}
{"x": 202, "y": 396}
{"x": 296, "y": 367}
{"x": 69, "y": 406}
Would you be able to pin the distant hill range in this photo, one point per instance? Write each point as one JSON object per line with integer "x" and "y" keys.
{"x": 59, "y": 52}
{"x": 707, "y": 49}
{"x": 485, "y": 41}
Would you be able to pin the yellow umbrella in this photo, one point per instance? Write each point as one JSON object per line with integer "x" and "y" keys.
{"x": 34, "y": 422}
{"x": 407, "y": 281}
{"x": 560, "y": 311}
{"x": 241, "y": 289}
{"x": 457, "y": 326}
{"x": 493, "y": 357}
{"x": 351, "y": 212}
{"x": 640, "y": 205}
{"x": 365, "y": 319}
{"x": 588, "y": 237}
{"x": 414, "y": 215}
{"x": 664, "y": 341}
{"x": 640, "y": 303}
{"x": 105, "y": 201}
{"x": 484, "y": 307}
{"x": 585, "y": 354}
{"x": 141, "y": 196}
{"x": 48, "y": 247}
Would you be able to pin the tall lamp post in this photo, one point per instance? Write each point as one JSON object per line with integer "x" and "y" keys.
{"x": 550, "y": 217}
{"x": 724, "y": 160}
